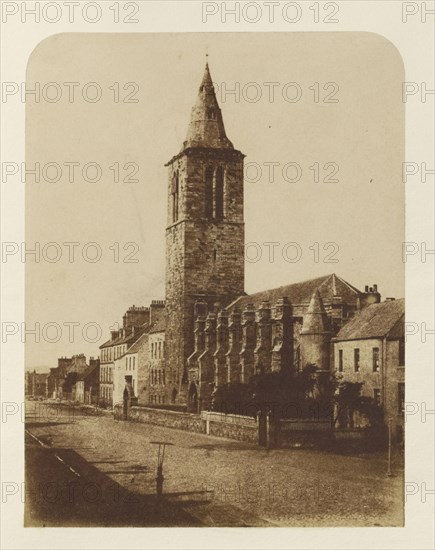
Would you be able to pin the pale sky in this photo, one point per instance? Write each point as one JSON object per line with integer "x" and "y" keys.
{"x": 363, "y": 133}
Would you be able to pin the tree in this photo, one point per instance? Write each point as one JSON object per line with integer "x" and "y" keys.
{"x": 234, "y": 398}
{"x": 349, "y": 400}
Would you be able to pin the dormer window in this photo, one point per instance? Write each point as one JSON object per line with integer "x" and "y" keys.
{"x": 211, "y": 114}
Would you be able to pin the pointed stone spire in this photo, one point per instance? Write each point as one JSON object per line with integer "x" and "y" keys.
{"x": 315, "y": 320}
{"x": 206, "y": 128}
{"x": 315, "y": 336}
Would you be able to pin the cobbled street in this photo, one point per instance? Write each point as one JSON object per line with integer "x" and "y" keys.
{"x": 109, "y": 468}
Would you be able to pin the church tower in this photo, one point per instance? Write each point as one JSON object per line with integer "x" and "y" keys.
{"x": 205, "y": 229}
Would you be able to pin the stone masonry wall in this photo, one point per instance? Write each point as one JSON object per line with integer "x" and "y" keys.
{"x": 204, "y": 257}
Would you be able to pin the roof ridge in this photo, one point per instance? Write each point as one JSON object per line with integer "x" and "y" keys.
{"x": 348, "y": 284}
{"x": 324, "y": 277}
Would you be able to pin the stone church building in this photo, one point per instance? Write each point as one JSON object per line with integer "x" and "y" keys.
{"x": 212, "y": 332}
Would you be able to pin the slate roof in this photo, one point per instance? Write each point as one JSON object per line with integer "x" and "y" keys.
{"x": 136, "y": 346}
{"x": 159, "y": 326}
{"x": 374, "y": 321}
{"x": 131, "y": 337}
{"x": 106, "y": 344}
{"x": 142, "y": 331}
{"x": 88, "y": 371}
{"x": 329, "y": 286}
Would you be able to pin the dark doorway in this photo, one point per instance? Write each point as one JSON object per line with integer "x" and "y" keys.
{"x": 125, "y": 400}
{"x": 174, "y": 395}
{"x": 262, "y": 429}
{"x": 193, "y": 398}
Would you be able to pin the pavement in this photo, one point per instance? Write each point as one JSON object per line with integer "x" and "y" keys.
{"x": 84, "y": 469}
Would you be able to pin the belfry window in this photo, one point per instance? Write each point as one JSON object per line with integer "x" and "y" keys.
{"x": 219, "y": 194}
{"x": 175, "y": 196}
{"x": 214, "y": 193}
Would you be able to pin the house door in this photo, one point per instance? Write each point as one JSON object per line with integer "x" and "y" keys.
{"x": 125, "y": 404}
{"x": 262, "y": 429}
{"x": 193, "y": 398}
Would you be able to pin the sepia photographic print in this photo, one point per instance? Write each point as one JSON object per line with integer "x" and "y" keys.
{"x": 214, "y": 256}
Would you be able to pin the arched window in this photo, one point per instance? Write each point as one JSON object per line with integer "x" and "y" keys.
{"x": 175, "y": 196}
{"x": 219, "y": 194}
{"x": 208, "y": 195}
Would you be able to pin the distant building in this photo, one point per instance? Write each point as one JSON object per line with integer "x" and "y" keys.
{"x": 87, "y": 387}
{"x": 36, "y": 384}
{"x": 163, "y": 380}
{"x": 370, "y": 348}
{"x": 73, "y": 366}
{"x": 126, "y": 368}
{"x": 115, "y": 366}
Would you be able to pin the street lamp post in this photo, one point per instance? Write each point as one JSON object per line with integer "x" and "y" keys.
{"x": 160, "y": 458}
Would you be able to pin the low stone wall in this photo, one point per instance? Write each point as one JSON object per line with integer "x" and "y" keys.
{"x": 159, "y": 417}
{"x": 287, "y": 434}
{"x": 231, "y": 426}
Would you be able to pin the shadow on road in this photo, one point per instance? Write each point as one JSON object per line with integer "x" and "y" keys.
{"x": 65, "y": 490}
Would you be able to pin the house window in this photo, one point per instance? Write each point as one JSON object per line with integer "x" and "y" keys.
{"x": 375, "y": 355}
{"x": 340, "y": 360}
{"x": 377, "y": 396}
{"x": 401, "y": 396}
{"x": 356, "y": 364}
{"x": 126, "y": 362}
{"x": 401, "y": 352}
{"x": 134, "y": 362}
